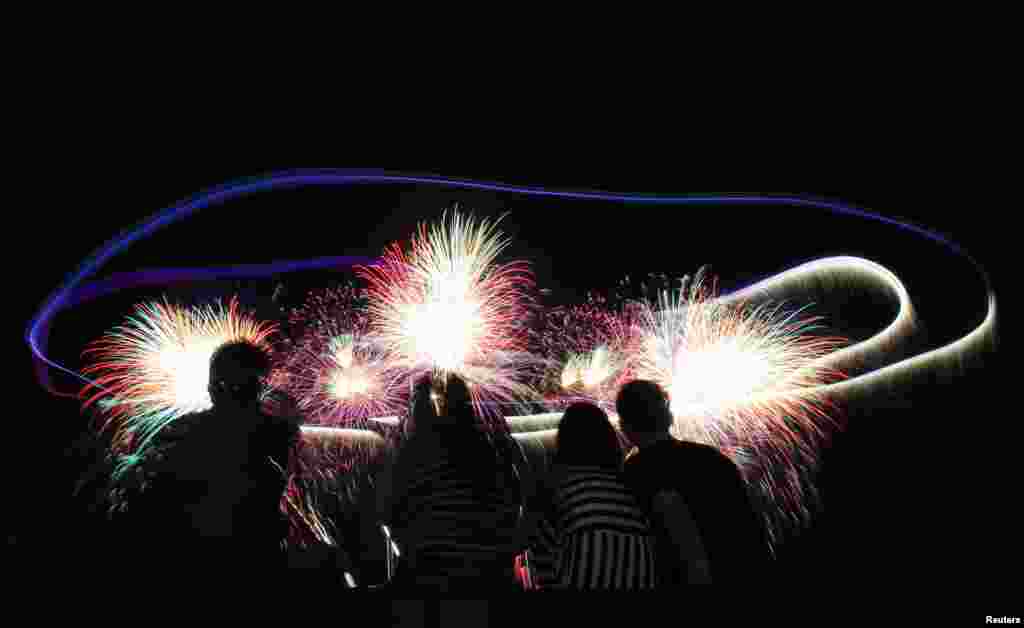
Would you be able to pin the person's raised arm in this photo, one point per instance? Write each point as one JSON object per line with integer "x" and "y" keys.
{"x": 393, "y": 477}
{"x": 422, "y": 409}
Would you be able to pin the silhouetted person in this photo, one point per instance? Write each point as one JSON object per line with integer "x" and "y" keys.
{"x": 592, "y": 532}
{"x": 223, "y": 476}
{"x": 675, "y": 480}
{"x": 451, "y": 506}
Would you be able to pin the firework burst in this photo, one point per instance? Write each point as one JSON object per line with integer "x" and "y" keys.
{"x": 745, "y": 380}
{"x": 448, "y": 307}
{"x": 725, "y": 367}
{"x": 330, "y": 313}
{"x": 155, "y": 368}
{"x": 335, "y": 375}
{"x": 339, "y": 382}
{"x": 584, "y": 350}
{"x": 590, "y": 370}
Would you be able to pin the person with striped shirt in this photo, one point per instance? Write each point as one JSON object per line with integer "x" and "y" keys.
{"x": 452, "y": 508}
{"x": 591, "y": 532}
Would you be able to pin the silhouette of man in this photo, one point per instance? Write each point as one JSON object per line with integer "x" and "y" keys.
{"x": 672, "y": 476}
{"x": 225, "y": 467}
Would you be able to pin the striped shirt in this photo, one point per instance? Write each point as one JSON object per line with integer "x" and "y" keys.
{"x": 593, "y": 535}
{"x": 457, "y": 509}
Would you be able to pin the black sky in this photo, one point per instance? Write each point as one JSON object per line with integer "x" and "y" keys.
{"x": 573, "y": 245}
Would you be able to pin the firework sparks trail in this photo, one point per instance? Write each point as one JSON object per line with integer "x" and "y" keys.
{"x": 335, "y": 375}
{"x": 325, "y": 480}
{"x": 155, "y": 368}
{"x": 745, "y": 380}
{"x": 448, "y": 307}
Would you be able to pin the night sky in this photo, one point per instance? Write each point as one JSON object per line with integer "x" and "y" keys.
{"x": 889, "y": 483}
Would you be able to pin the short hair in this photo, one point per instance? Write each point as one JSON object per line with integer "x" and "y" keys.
{"x": 643, "y": 407}
{"x": 587, "y": 438}
{"x": 239, "y": 362}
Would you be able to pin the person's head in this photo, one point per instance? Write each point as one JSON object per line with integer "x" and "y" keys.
{"x": 644, "y": 412}
{"x": 237, "y": 372}
{"x": 586, "y": 438}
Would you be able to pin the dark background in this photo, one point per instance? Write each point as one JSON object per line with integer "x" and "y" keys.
{"x": 921, "y": 494}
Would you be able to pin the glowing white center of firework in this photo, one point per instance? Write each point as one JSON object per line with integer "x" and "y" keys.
{"x": 346, "y": 380}
{"x": 570, "y": 376}
{"x": 187, "y": 371}
{"x": 716, "y": 376}
{"x": 349, "y": 383}
{"x": 342, "y": 351}
{"x": 588, "y": 370}
{"x": 445, "y": 327}
{"x": 344, "y": 358}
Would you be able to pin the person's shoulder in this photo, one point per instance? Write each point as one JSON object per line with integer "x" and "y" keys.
{"x": 658, "y": 453}
{"x": 183, "y": 425}
{"x": 710, "y": 461}
{"x": 701, "y": 450}
{"x": 668, "y": 453}
{"x": 647, "y": 466}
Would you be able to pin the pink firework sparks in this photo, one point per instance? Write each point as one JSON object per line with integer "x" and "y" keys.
{"x": 584, "y": 348}
{"x": 340, "y": 382}
{"x": 335, "y": 375}
{"x": 448, "y": 307}
{"x": 330, "y": 312}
